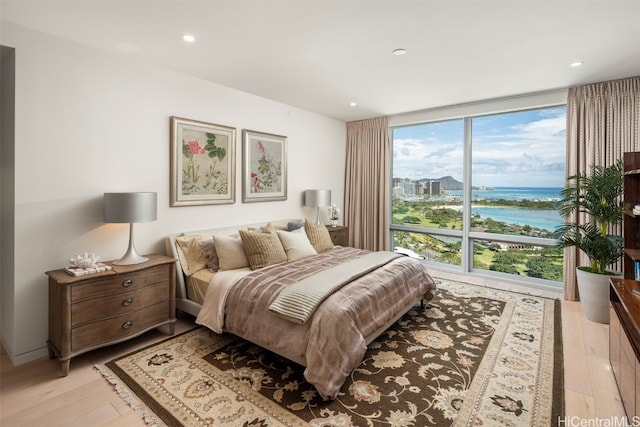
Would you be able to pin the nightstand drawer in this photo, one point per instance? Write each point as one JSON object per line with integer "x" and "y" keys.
{"x": 110, "y": 330}
{"x": 122, "y": 282}
{"x": 121, "y": 303}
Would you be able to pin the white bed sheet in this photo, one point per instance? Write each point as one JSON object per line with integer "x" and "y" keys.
{"x": 212, "y": 313}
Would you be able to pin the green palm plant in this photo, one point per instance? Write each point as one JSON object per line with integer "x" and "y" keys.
{"x": 597, "y": 195}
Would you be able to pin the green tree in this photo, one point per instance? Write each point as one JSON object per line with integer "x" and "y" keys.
{"x": 544, "y": 268}
{"x": 411, "y": 219}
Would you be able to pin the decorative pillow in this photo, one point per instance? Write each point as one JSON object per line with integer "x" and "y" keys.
{"x": 262, "y": 248}
{"x": 318, "y": 236}
{"x": 296, "y": 244}
{"x": 294, "y": 225}
{"x": 190, "y": 255}
{"x": 210, "y": 254}
{"x": 267, "y": 228}
{"x": 230, "y": 252}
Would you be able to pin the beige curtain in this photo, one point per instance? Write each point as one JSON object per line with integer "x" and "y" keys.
{"x": 603, "y": 122}
{"x": 367, "y": 184}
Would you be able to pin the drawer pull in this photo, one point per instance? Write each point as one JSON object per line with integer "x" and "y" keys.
{"x": 127, "y": 324}
{"x": 128, "y": 301}
{"x": 127, "y": 283}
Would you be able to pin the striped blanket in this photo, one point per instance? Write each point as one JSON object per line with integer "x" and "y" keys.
{"x": 298, "y": 302}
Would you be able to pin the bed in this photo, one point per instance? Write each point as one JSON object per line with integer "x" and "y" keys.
{"x": 284, "y": 286}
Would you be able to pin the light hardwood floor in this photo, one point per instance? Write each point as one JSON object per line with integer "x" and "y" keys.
{"x": 34, "y": 394}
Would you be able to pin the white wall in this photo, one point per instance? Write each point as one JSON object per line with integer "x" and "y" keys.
{"x": 89, "y": 122}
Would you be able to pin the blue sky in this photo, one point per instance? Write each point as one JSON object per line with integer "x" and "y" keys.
{"x": 521, "y": 149}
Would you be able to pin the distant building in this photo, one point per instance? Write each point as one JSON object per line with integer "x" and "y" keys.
{"x": 409, "y": 187}
{"x": 434, "y": 188}
{"x": 403, "y": 187}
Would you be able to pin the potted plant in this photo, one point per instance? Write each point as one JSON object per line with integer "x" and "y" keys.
{"x": 596, "y": 194}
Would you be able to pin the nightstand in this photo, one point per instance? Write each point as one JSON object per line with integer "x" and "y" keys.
{"x": 96, "y": 310}
{"x": 339, "y": 235}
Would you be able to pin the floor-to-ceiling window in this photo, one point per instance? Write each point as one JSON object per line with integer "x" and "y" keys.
{"x": 428, "y": 168}
{"x": 477, "y": 192}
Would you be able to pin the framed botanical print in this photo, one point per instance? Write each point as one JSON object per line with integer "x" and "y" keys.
{"x": 264, "y": 167}
{"x": 202, "y": 163}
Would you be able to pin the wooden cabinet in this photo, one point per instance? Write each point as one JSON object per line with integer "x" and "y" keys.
{"x": 631, "y": 222}
{"x": 637, "y": 376}
{"x": 92, "y": 311}
{"x": 624, "y": 342}
{"x": 339, "y": 235}
{"x": 624, "y": 330}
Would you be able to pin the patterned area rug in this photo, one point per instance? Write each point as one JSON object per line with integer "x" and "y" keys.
{"x": 476, "y": 356}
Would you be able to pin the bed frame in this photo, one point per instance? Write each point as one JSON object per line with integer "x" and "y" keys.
{"x": 183, "y": 303}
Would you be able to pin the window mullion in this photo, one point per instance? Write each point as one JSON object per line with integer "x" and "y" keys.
{"x": 467, "y": 247}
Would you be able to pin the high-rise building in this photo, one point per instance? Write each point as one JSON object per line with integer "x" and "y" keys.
{"x": 409, "y": 187}
{"x": 435, "y": 188}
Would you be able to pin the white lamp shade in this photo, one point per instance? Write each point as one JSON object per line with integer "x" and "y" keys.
{"x": 130, "y": 207}
{"x": 317, "y": 198}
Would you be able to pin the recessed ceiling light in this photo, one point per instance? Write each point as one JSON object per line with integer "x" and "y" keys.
{"x": 576, "y": 64}
{"x": 352, "y": 104}
{"x": 188, "y": 38}
{"x": 399, "y": 52}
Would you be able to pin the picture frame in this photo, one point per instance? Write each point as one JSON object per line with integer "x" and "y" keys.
{"x": 202, "y": 163}
{"x": 264, "y": 167}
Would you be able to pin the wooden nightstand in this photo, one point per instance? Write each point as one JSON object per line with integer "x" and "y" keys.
{"x": 96, "y": 310}
{"x": 339, "y": 235}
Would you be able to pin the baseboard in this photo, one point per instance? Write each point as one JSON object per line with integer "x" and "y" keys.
{"x": 30, "y": 356}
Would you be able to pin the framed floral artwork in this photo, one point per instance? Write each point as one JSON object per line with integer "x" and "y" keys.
{"x": 264, "y": 167}
{"x": 202, "y": 163}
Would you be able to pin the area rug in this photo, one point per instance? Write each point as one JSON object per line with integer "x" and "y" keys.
{"x": 474, "y": 356}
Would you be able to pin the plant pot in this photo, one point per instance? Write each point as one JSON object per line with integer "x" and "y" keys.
{"x": 594, "y": 294}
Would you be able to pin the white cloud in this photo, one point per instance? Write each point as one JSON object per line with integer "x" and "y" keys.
{"x": 530, "y": 154}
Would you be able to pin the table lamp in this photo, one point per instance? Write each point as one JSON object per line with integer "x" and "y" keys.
{"x": 130, "y": 208}
{"x": 316, "y": 199}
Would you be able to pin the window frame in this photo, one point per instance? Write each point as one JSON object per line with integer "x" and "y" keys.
{"x": 468, "y": 112}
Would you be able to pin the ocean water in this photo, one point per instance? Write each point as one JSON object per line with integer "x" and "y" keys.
{"x": 547, "y": 219}
{"x": 539, "y": 218}
{"x": 513, "y": 193}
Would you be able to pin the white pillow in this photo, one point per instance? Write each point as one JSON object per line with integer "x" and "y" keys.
{"x": 296, "y": 244}
{"x": 230, "y": 252}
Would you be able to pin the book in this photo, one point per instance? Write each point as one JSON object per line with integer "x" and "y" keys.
{"x": 636, "y": 270}
{"x": 79, "y": 271}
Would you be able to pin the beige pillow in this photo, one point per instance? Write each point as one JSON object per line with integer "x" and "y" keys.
{"x": 262, "y": 248}
{"x": 267, "y": 228}
{"x": 230, "y": 252}
{"x": 318, "y": 236}
{"x": 190, "y": 255}
{"x": 296, "y": 244}
{"x": 210, "y": 254}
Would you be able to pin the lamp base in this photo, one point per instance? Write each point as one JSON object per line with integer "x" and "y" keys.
{"x": 130, "y": 259}
{"x": 132, "y": 256}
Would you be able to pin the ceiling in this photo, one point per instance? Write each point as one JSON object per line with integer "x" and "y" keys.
{"x": 323, "y": 55}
